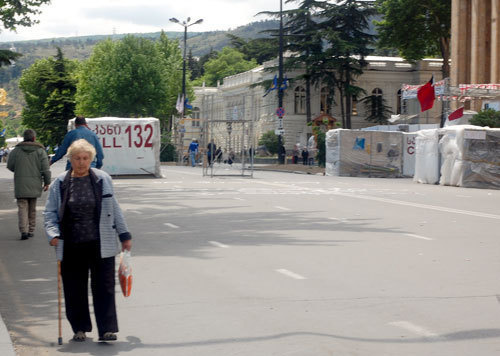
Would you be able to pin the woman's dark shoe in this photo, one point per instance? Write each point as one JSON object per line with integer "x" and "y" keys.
{"x": 109, "y": 336}
{"x": 79, "y": 336}
{"x": 30, "y": 235}
{"x": 24, "y": 236}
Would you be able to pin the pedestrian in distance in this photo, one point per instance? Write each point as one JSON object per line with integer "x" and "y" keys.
{"x": 305, "y": 156}
{"x": 193, "y": 151}
{"x": 83, "y": 220}
{"x": 211, "y": 148}
{"x": 81, "y": 131}
{"x": 6, "y": 152}
{"x": 30, "y": 165}
{"x": 295, "y": 153}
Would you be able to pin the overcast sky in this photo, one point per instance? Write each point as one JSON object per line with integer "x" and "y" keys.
{"x": 66, "y": 18}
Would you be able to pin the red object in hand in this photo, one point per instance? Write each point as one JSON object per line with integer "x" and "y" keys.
{"x": 125, "y": 273}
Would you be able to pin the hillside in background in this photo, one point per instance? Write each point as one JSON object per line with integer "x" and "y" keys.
{"x": 80, "y": 48}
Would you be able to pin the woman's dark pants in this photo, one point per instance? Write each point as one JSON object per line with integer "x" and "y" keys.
{"x": 78, "y": 260}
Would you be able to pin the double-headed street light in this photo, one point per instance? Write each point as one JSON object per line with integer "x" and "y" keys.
{"x": 185, "y": 24}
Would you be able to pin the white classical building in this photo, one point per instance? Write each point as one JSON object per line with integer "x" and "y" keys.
{"x": 240, "y": 99}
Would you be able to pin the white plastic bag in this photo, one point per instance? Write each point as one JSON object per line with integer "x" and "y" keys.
{"x": 125, "y": 273}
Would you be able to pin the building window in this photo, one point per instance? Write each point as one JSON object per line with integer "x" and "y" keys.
{"x": 300, "y": 100}
{"x": 195, "y": 114}
{"x": 401, "y": 104}
{"x": 325, "y": 104}
{"x": 354, "y": 105}
{"x": 376, "y": 101}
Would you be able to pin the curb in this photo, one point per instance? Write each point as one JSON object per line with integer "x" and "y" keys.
{"x": 6, "y": 347}
{"x": 287, "y": 171}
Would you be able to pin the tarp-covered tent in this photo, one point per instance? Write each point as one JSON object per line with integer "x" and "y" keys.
{"x": 364, "y": 153}
{"x": 464, "y": 156}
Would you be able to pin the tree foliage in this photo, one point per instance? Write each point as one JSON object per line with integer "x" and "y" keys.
{"x": 171, "y": 55}
{"x": 228, "y": 62}
{"x": 270, "y": 140}
{"x": 486, "y": 117}
{"x": 261, "y": 49}
{"x": 49, "y": 88}
{"x": 417, "y": 29}
{"x": 15, "y": 13}
{"x": 133, "y": 77}
{"x": 348, "y": 44}
{"x": 377, "y": 109}
{"x": 304, "y": 42}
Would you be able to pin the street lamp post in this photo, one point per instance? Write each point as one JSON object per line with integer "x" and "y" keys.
{"x": 185, "y": 24}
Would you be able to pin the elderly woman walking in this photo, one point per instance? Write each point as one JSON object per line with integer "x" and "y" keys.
{"x": 83, "y": 219}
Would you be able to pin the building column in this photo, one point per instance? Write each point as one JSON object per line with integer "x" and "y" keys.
{"x": 495, "y": 41}
{"x": 460, "y": 71}
{"x": 480, "y": 40}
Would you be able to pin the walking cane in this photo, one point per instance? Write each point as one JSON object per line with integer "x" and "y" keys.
{"x": 59, "y": 293}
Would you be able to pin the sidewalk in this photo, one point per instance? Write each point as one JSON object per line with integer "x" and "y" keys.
{"x": 6, "y": 347}
{"x": 291, "y": 168}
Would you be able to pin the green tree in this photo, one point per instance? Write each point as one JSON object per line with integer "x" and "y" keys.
{"x": 486, "y": 117}
{"x": 260, "y": 49}
{"x": 15, "y": 13}
{"x": 348, "y": 43}
{"x": 377, "y": 109}
{"x": 321, "y": 145}
{"x": 172, "y": 56}
{"x": 126, "y": 78}
{"x": 304, "y": 41}
{"x": 193, "y": 66}
{"x": 417, "y": 29}
{"x": 228, "y": 62}
{"x": 49, "y": 88}
{"x": 270, "y": 140}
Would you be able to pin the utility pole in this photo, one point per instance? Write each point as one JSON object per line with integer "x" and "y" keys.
{"x": 281, "y": 154}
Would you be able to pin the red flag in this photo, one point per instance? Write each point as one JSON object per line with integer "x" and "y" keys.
{"x": 457, "y": 114}
{"x": 426, "y": 96}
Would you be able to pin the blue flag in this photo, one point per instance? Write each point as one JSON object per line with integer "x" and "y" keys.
{"x": 187, "y": 105}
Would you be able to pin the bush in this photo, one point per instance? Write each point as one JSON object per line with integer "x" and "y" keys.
{"x": 167, "y": 153}
{"x": 270, "y": 140}
{"x": 487, "y": 117}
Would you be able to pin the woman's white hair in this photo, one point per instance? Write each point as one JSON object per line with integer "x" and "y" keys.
{"x": 79, "y": 146}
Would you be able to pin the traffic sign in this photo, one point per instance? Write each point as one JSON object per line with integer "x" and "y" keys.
{"x": 280, "y": 123}
{"x": 280, "y": 112}
{"x": 279, "y": 132}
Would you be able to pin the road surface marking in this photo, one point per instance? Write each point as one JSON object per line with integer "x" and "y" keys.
{"x": 419, "y": 330}
{"x": 240, "y": 199}
{"x": 290, "y": 273}
{"x": 338, "y": 219}
{"x": 218, "y": 244}
{"x": 423, "y": 206}
{"x": 171, "y": 225}
{"x": 35, "y": 280}
{"x": 399, "y": 202}
{"x": 419, "y": 237}
{"x": 282, "y": 208}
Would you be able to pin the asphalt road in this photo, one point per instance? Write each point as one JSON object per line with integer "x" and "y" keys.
{"x": 281, "y": 264}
